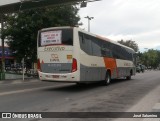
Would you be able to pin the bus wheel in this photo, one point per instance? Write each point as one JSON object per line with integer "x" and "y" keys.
{"x": 107, "y": 79}
{"x": 129, "y": 77}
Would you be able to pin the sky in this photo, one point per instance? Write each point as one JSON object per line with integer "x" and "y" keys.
{"x": 136, "y": 20}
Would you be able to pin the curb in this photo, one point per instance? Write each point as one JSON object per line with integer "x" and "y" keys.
{"x": 16, "y": 81}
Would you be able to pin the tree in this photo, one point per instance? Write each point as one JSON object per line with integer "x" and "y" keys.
{"x": 130, "y": 44}
{"x": 151, "y": 58}
{"x": 21, "y": 28}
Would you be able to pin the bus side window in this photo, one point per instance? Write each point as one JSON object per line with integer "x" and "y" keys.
{"x": 83, "y": 39}
{"x": 106, "y": 50}
{"x": 88, "y": 45}
{"x": 85, "y": 43}
{"x": 96, "y": 48}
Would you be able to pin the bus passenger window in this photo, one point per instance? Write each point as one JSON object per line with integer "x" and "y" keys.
{"x": 83, "y": 39}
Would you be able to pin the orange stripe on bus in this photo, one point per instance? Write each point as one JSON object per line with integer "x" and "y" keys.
{"x": 110, "y": 64}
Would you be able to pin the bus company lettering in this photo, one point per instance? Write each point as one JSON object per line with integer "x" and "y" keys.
{"x": 54, "y": 57}
{"x": 127, "y": 64}
{"x": 54, "y": 48}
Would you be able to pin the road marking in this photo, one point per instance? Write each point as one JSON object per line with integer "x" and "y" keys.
{"x": 156, "y": 108}
{"x": 33, "y": 89}
{"x": 21, "y": 81}
{"x": 146, "y": 104}
{"x": 18, "y": 82}
{"x": 27, "y": 90}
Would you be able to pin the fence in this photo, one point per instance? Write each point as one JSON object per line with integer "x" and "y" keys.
{"x": 16, "y": 72}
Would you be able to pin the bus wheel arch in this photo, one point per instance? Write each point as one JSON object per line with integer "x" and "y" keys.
{"x": 107, "y": 77}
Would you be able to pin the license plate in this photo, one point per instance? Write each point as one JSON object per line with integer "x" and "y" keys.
{"x": 55, "y": 76}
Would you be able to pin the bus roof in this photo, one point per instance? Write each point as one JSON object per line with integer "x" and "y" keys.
{"x": 106, "y": 39}
{"x": 97, "y": 36}
{"x": 61, "y": 27}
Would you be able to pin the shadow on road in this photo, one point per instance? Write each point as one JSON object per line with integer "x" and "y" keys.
{"x": 72, "y": 87}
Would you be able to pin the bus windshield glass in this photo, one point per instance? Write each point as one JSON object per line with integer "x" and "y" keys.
{"x": 56, "y": 37}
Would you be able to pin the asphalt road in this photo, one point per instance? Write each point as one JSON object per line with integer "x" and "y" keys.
{"x": 141, "y": 94}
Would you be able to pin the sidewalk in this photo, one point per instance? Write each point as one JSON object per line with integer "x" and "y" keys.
{"x": 17, "y": 78}
{"x": 17, "y": 81}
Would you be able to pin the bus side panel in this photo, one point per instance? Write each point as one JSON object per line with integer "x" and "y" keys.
{"x": 110, "y": 63}
{"x": 92, "y": 68}
{"x": 124, "y": 67}
{"x": 92, "y": 73}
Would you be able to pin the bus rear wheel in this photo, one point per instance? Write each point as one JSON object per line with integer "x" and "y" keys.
{"x": 128, "y": 77}
{"x": 107, "y": 78}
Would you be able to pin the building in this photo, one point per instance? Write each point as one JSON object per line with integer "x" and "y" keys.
{"x": 8, "y": 54}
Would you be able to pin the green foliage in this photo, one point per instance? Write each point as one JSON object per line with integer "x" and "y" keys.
{"x": 21, "y": 28}
{"x": 129, "y": 43}
{"x": 151, "y": 58}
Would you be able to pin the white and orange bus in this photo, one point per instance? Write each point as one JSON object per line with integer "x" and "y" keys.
{"x": 70, "y": 54}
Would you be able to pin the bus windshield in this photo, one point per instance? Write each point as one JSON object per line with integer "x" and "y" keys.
{"x": 56, "y": 37}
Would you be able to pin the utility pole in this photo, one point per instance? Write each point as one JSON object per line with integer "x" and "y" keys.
{"x": 89, "y": 18}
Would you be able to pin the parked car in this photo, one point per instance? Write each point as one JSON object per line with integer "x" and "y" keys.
{"x": 140, "y": 68}
{"x": 7, "y": 67}
{"x": 16, "y": 67}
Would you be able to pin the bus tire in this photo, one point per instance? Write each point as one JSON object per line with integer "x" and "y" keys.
{"x": 107, "y": 78}
{"x": 129, "y": 77}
